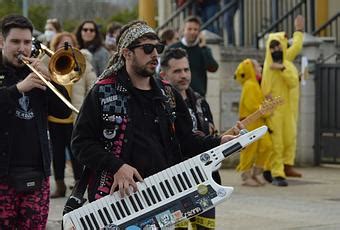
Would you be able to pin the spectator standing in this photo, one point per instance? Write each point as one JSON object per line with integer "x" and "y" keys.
{"x": 61, "y": 129}
{"x": 25, "y": 103}
{"x": 280, "y": 78}
{"x": 229, "y": 22}
{"x": 88, "y": 37}
{"x": 169, "y": 36}
{"x": 52, "y": 27}
{"x": 207, "y": 10}
{"x": 200, "y": 56}
{"x": 112, "y": 31}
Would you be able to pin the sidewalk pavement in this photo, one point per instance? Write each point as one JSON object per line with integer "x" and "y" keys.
{"x": 311, "y": 202}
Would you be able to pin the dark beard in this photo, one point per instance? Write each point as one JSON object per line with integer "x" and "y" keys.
{"x": 143, "y": 71}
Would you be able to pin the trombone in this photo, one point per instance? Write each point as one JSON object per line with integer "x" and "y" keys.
{"x": 66, "y": 66}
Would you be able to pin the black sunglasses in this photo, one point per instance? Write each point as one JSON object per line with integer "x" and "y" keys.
{"x": 148, "y": 48}
{"x": 88, "y": 29}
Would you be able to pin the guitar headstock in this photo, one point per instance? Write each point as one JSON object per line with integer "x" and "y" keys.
{"x": 270, "y": 104}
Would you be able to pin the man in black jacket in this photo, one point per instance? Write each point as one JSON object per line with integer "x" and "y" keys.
{"x": 175, "y": 69}
{"x": 200, "y": 56}
{"x": 25, "y": 103}
{"x": 132, "y": 125}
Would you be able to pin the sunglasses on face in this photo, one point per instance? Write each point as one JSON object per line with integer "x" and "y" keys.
{"x": 148, "y": 48}
{"x": 88, "y": 29}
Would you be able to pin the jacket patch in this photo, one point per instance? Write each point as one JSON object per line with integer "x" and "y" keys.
{"x": 108, "y": 99}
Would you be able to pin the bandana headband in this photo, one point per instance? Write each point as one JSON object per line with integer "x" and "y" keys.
{"x": 130, "y": 35}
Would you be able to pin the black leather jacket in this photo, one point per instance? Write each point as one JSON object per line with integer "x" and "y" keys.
{"x": 88, "y": 147}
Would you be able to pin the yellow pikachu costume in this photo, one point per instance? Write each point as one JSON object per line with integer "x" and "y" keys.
{"x": 292, "y": 52}
{"x": 283, "y": 83}
{"x": 254, "y": 157}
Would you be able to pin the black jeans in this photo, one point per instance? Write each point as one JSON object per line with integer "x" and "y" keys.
{"x": 60, "y": 140}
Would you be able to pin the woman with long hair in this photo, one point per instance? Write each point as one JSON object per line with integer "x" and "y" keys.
{"x": 89, "y": 37}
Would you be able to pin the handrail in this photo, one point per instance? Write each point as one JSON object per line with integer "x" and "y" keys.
{"x": 249, "y": 33}
{"x": 324, "y": 59}
{"x": 326, "y": 24}
{"x": 175, "y": 14}
{"x": 277, "y": 22}
{"x": 219, "y": 13}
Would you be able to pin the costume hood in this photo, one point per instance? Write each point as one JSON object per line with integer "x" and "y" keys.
{"x": 245, "y": 71}
{"x": 280, "y": 37}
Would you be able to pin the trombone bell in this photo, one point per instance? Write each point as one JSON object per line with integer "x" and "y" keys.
{"x": 66, "y": 66}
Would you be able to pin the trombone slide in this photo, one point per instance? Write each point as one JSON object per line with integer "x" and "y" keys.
{"x": 52, "y": 87}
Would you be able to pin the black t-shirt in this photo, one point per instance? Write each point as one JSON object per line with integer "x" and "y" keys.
{"x": 27, "y": 152}
{"x": 148, "y": 148}
{"x": 25, "y": 149}
{"x": 192, "y": 114}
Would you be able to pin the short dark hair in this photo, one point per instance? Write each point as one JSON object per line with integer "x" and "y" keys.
{"x": 166, "y": 35}
{"x": 15, "y": 21}
{"x": 193, "y": 19}
{"x": 151, "y": 36}
{"x": 172, "y": 53}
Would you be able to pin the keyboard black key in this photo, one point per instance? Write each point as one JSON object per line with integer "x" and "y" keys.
{"x": 94, "y": 221}
{"x": 138, "y": 201}
{"x": 133, "y": 204}
{"x": 199, "y": 173}
{"x": 186, "y": 179}
{"x": 194, "y": 176}
{"x": 120, "y": 209}
{"x": 181, "y": 181}
{"x": 169, "y": 187}
{"x": 126, "y": 207}
{"x": 83, "y": 223}
{"x": 164, "y": 190}
{"x": 87, "y": 218}
{"x": 151, "y": 195}
{"x": 146, "y": 198}
{"x": 115, "y": 211}
{"x": 176, "y": 183}
{"x": 102, "y": 217}
{"x": 156, "y": 193}
{"x": 107, "y": 214}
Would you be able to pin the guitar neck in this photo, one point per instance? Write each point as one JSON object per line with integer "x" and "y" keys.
{"x": 246, "y": 121}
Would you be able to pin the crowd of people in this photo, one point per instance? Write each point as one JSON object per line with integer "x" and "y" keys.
{"x": 142, "y": 108}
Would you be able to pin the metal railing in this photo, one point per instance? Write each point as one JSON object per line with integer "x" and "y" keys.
{"x": 175, "y": 20}
{"x": 327, "y": 114}
{"x": 330, "y": 28}
{"x": 253, "y": 20}
{"x": 286, "y": 21}
{"x": 217, "y": 17}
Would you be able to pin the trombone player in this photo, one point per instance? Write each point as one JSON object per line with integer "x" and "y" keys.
{"x": 25, "y": 103}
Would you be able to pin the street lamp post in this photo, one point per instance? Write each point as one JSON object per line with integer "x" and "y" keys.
{"x": 25, "y": 8}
